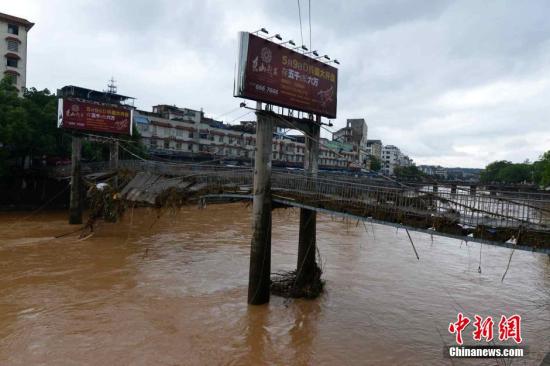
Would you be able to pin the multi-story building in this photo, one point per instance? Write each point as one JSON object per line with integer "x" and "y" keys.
{"x": 13, "y": 48}
{"x": 182, "y": 133}
{"x": 355, "y": 133}
{"x": 374, "y": 148}
{"x": 373, "y": 151}
{"x": 392, "y": 157}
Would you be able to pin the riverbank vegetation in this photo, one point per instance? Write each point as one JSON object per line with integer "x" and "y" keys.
{"x": 503, "y": 171}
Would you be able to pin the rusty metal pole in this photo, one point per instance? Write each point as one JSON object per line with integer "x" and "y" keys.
{"x": 260, "y": 249}
{"x": 307, "y": 240}
{"x": 75, "y": 203}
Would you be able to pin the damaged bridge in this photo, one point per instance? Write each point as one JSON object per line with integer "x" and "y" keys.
{"x": 518, "y": 220}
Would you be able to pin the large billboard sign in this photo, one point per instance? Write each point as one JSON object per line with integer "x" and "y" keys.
{"x": 94, "y": 117}
{"x": 271, "y": 73}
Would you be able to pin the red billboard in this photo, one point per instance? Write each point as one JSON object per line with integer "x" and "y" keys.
{"x": 271, "y": 73}
{"x": 97, "y": 117}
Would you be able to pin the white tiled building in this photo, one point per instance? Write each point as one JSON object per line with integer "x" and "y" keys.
{"x": 13, "y": 49}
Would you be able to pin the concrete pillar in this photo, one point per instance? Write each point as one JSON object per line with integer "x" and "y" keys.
{"x": 473, "y": 190}
{"x": 435, "y": 188}
{"x": 75, "y": 203}
{"x": 260, "y": 249}
{"x": 453, "y": 188}
{"x": 307, "y": 243}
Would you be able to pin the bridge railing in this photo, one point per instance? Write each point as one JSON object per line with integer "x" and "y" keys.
{"x": 469, "y": 210}
{"x": 363, "y": 196}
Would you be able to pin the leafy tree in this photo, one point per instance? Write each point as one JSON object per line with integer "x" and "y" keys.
{"x": 375, "y": 163}
{"x": 541, "y": 170}
{"x": 515, "y": 173}
{"x": 491, "y": 172}
{"x": 408, "y": 172}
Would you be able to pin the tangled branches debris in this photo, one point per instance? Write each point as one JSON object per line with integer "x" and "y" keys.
{"x": 284, "y": 284}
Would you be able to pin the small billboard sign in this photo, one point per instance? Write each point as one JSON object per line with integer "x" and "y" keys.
{"x": 94, "y": 117}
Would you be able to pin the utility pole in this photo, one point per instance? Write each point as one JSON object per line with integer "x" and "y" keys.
{"x": 75, "y": 203}
{"x": 260, "y": 250}
{"x": 307, "y": 240}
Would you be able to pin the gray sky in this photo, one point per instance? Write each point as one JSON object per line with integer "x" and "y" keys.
{"x": 456, "y": 83}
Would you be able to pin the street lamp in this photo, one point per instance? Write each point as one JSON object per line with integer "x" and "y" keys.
{"x": 303, "y": 47}
{"x": 312, "y": 52}
{"x": 278, "y": 36}
{"x": 263, "y": 30}
{"x": 290, "y": 42}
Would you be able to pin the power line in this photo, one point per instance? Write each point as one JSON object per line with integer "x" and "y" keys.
{"x": 300, "y": 17}
{"x": 309, "y": 13}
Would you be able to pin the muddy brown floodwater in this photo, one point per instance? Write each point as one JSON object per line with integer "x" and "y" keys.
{"x": 173, "y": 291}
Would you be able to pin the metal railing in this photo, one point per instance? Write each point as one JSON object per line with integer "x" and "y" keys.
{"x": 420, "y": 206}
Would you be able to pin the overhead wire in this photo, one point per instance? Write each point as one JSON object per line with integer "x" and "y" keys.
{"x": 300, "y": 17}
{"x": 309, "y": 14}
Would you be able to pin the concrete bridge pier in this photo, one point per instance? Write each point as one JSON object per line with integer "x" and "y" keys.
{"x": 75, "y": 200}
{"x": 435, "y": 188}
{"x": 473, "y": 190}
{"x": 260, "y": 250}
{"x": 307, "y": 242}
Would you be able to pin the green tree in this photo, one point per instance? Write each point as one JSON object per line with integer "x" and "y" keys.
{"x": 515, "y": 173}
{"x": 375, "y": 163}
{"x": 492, "y": 171}
{"x": 408, "y": 172}
{"x": 541, "y": 170}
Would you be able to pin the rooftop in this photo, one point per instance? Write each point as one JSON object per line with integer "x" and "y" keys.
{"x": 90, "y": 94}
{"x": 13, "y": 19}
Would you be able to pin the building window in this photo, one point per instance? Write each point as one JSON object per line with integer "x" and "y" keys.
{"x": 13, "y": 29}
{"x": 190, "y": 135}
{"x": 203, "y": 136}
{"x": 178, "y": 145}
{"x": 179, "y": 133}
{"x": 11, "y": 62}
{"x": 13, "y": 45}
{"x": 166, "y": 144}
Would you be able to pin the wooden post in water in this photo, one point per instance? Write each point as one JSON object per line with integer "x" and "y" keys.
{"x": 260, "y": 250}
{"x": 75, "y": 203}
{"x": 113, "y": 159}
{"x": 307, "y": 240}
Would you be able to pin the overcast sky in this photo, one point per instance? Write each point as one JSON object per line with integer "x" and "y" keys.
{"x": 455, "y": 83}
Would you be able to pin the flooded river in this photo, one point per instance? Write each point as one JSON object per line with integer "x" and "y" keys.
{"x": 172, "y": 291}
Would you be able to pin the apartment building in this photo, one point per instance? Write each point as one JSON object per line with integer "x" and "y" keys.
{"x": 13, "y": 48}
